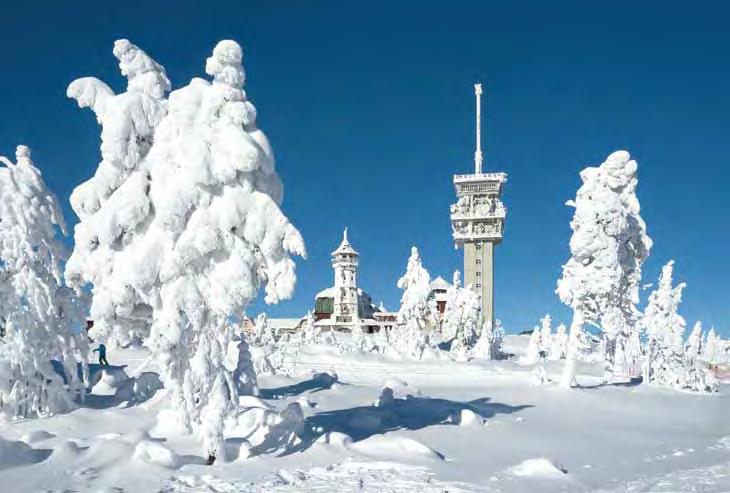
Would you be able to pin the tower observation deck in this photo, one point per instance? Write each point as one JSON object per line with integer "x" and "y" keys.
{"x": 477, "y": 221}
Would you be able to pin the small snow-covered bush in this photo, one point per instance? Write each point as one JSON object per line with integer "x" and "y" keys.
{"x": 672, "y": 369}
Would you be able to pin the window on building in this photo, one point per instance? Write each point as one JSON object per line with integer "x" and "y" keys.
{"x": 479, "y": 286}
{"x": 479, "y": 274}
{"x": 479, "y": 261}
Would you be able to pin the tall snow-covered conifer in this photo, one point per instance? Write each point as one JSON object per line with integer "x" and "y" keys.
{"x": 417, "y": 310}
{"x": 197, "y": 228}
{"x": 462, "y": 317}
{"x": 114, "y": 206}
{"x": 693, "y": 347}
{"x": 661, "y": 321}
{"x": 608, "y": 246}
{"x": 42, "y": 319}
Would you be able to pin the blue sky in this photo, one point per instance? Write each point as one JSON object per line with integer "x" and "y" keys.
{"x": 370, "y": 111}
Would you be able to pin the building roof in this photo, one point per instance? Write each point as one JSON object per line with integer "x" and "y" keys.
{"x": 283, "y": 323}
{"x": 439, "y": 283}
{"x": 345, "y": 247}
{"x": 330, "y": 293}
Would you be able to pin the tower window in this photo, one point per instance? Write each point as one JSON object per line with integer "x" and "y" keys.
{"x": 479, "y": 261}
{"x": 478, "y": 273}
{"x": 479, "y": 286}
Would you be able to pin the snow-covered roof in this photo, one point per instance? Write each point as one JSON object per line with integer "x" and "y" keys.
{"x": 283, "y": 323}
{"x": 326, "y": 293}
{"x": 345, "y": 247}
{"x": 439, "y": 283}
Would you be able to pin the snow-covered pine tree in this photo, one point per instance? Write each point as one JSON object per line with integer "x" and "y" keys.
{"x": 452, "y": 312}
{"x": 532, "y": 355}
{"x": 661, "y": 321}
{"x": 711, "y": 347}
{"x": 263, "y": 334}
{"x": 546, "y": 334}
{"x": 489, "y": 343}
{"x": 114, "y": 207}
{"x": 196, "y": 230}
{"x": 417, "y": 311}
{"x": 462, "y": 318}
{"x": 693, "y": 347}
{"x": 668, "y": 363}
{"x": 608, "y": 246}
{"x": 42, "y": 318}
{"x": 559, "y": 343}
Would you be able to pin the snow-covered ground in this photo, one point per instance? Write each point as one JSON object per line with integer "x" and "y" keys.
{"x": 476, "y": 426}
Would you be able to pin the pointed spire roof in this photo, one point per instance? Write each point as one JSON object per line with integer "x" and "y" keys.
{"x": 345, "y": 246}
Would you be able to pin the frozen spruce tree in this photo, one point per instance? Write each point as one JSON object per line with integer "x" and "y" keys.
{"x": 608, "y": 247}
{"x": 546, "y": 334}
{"x": 114, "y": 206}
{"x": 668, "y": 363}
{"x": 462, "y": 318}
{"x": 711, "y": 347}
{"x": 41, "y": 318}
{"x": 489, "y": 343}
{"x": 559, "y": 343}
{"x": 417, "y": 311}
{"x": 196, "y": 230}
{"x": 532, "y": 354}
{"x": 661, "y": 321}
{"x": 693, "y": 347}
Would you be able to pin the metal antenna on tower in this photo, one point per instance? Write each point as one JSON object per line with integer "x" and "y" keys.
{"x": 478, "y": 152}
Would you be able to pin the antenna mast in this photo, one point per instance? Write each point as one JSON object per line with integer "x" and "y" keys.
{"x": 478, "y": 152}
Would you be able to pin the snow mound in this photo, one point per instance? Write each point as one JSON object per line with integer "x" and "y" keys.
{"x": 540, "y": 468}
{"x": 110, "y": 380}
{"x": 18, "y": 453}
{"x": 467, "y": 417}
{"x": 36, "y": 436}
{"x": 156, "y": 453}
{"x": 336, "y": 439}
{"x": 398, "y": 448}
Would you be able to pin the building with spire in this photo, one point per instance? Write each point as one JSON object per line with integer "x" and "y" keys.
{"x": 477, "y": 221}
{"x": 345, "y": 306}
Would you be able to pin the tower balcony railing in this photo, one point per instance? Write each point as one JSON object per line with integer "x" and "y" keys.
{"x": 498, "y": 177}
{"x": 460, "y": 237}
{"x": 500, "y": 213}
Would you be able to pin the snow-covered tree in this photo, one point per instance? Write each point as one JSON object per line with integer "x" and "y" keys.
{"x": 310, "y": 333}
{"x": 42, "y": 319}
{"x": 489, "y": 343}
{"x": 263, "y": 333}
{"x": 669, "y": 363}
{"x": 559, "y": 343}
{"x": 532, "y": 355}
{"x": 693, "y": 347}
{"x": 462, "y": 317}
{"x": 608, "y": 247}
{"x": 670, "y": 368}
{"x": 546, "y": 333}
{"x": 417, "y": 311}
{"x": 661, "y": 321}
{"x": 711, "y": 347}
{"x": 114, "y": 206}
{"x": 182, "y": 223}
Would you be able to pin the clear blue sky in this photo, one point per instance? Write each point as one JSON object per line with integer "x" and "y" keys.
{"x": 369, "y": 108}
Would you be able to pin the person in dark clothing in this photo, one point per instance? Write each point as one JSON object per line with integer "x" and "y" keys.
{"x": 102, "y": 355}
